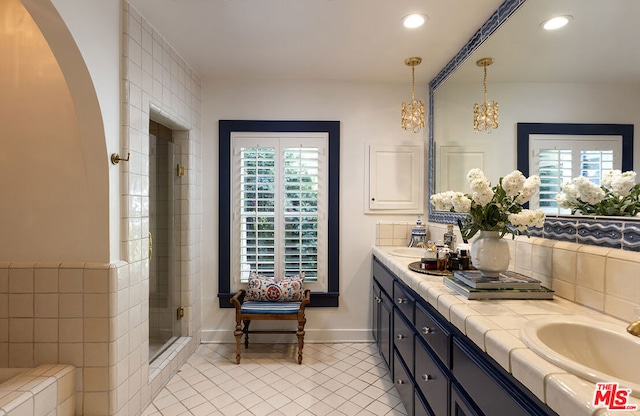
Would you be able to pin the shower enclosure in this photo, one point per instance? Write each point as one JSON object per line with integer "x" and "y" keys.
{"x": 164, "y": 240}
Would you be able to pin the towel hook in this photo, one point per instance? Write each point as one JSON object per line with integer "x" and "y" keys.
{"x": 115, "y": 158}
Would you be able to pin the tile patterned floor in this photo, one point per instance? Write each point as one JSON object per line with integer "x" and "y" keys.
{"x": 334, "y": 379}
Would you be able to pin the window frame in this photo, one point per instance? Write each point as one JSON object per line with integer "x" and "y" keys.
{"x": 225, "y": 130}
{"x": 526, "y": 129}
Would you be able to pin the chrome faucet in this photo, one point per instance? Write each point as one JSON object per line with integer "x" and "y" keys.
{"x": 634, "y": 328}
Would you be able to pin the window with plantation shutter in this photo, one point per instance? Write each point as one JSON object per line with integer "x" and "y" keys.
{"x": 279, "y": 206}
{"x": 556, "y": 161}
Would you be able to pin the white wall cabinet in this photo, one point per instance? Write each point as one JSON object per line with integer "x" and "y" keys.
{"x": 395, "y": 179}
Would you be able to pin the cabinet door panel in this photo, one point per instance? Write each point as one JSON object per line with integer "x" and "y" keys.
{"x": 403, "y": 339}
{"x": 403, "y": 383}
{"x": 434, "y": 334}
{"x": 431, "y": 381}
{"x": 386, "y": 330}
{"x": 376, "y": 301}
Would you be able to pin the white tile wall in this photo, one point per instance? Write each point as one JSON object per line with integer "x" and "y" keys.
{"x": 394, "y": 233}
{"x": 158, "y": 83}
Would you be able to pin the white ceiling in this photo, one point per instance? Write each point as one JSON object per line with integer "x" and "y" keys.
{"x": 599, "y": 45}
{"x": 345, "y": 40}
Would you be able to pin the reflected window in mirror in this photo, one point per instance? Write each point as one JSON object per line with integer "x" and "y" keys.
{"x": 559, "y": 159}
{"x": 559, "y": 152}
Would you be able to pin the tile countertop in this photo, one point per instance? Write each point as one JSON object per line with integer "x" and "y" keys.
{"x": 494, "y": 326}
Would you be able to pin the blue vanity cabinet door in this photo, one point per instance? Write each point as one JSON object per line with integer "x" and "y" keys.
{"x": 385, "y": 322}
{"x": 383, "y": 312}
{"x": 377, "y": 300}
{"x": 430, "y": 380}
{"x": 433, "y": 332}
{"x": 404, "y": 383}
{"x": 403, "y": 340}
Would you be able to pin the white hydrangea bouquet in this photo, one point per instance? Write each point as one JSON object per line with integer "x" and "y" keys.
{"x": 618, "y": 195}
{"x": 498, "y": 208}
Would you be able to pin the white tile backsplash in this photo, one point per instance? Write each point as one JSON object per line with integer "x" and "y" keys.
{"x": 600, "y": 278}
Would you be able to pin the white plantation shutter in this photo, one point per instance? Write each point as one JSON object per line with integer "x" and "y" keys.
{"x": 279, "y": 206}
{"x": 555, "y": 168}
{"x": 557, "y": 161}
{"x": 301, "y": 214}
{"x": 256, "y": 212}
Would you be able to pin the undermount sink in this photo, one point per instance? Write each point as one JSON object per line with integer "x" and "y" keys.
{"x": 416, "y": 252}
{"x": 594, "y": 350}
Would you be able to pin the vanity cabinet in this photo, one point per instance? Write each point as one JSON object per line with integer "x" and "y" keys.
{"x": 437, "y": 370}
{"x": 383, "y": 314}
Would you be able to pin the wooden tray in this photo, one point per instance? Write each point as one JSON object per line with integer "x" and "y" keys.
{"x": 415, "y": 267}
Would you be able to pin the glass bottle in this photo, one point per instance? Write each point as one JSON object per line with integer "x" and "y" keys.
{"x": 449, "y": 238}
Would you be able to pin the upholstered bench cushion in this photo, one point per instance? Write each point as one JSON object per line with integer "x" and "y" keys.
{"x": 270, "y": 307}
{"x": 270, "y": 289}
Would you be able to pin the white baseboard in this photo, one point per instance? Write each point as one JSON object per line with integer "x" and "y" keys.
{"x": 316, "y": 336}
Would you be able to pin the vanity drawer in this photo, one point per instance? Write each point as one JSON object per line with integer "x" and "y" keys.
{"x": 404, "y": 301}
{"x": 430, "y": 380}
{"x": 404, "y": 385}
{"x": 435, "y": 335}
{"x": 403, "y": 339}
{"x": 384, "y": 278}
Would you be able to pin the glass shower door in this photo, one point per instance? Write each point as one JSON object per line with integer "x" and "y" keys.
{"x": 164, "y": 239}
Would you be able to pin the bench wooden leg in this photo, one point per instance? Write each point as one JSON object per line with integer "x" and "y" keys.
{"x": 238, "y": 334}
{"x": 300, "y": 334}
{"x": 246, "y": 333}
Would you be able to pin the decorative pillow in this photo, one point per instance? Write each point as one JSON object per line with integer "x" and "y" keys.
{"x": 267, "y": 289}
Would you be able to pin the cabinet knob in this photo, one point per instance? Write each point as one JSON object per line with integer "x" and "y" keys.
{"x": 377, "y": 299}
{"x": 426, "y": 330}
{"x": 400, "y": 336}
{"x": 426, "y": 377}
{"x": 400, "y": 382}
{"x": 401, "y": 300}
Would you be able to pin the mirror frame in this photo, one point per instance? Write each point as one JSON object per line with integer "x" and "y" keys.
{"x": 498, "y": 17}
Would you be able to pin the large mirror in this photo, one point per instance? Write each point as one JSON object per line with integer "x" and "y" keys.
{"x": 587, "y": 72}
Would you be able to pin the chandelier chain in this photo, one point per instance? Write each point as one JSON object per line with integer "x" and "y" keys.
{"x": 484, "y": 84}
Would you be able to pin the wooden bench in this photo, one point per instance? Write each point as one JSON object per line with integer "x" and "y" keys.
{"x": 268, "y": 311}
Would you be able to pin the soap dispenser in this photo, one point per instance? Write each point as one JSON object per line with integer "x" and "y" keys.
{"x": 418, "y": 234}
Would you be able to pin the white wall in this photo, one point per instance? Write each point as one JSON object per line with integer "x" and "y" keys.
{"x": 54, "y": 159}
{"x": 529, "y": 103}
{"x": 95, "y": 27}
{"x": 368, "y": 113}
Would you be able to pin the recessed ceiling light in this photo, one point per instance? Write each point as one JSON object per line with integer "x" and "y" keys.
{"x": 556, "y": 22}
{"x": 413, "y": 21}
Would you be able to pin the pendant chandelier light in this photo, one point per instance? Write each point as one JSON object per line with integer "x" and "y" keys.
{"x": 485, "y": 115}
{"x": 413, "y": 112}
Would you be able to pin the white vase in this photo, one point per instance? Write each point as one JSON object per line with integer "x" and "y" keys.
{"x": 490, "y": 253}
